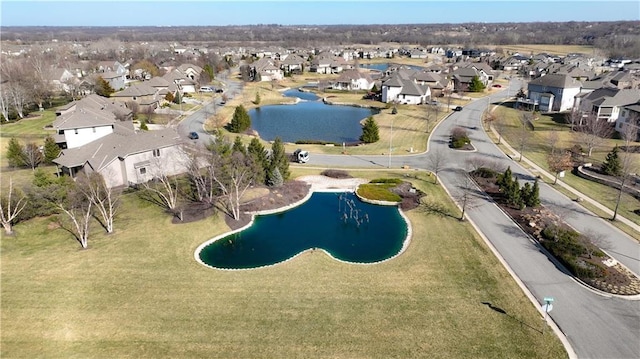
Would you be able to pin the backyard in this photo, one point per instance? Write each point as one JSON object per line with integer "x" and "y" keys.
{"x": 140, "y": 293}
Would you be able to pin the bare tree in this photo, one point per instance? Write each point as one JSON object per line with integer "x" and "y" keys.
{"x": 468, "y": 196}
{"x": 593, "y": 132}
{"x": 629, "y": 134}
{"x": 162, "y": 188}
{"x": 5, "y": 101}
{"x": 14, "y": 74}
{"x": 559, "y": 162}
{"x": 78, "y": 210}
{"x": 201, "y": 170}
{"x": 11, "y": 204}
{"x": 574, "y": 119}
{"x": 32, "y": 156}
{"x": 234, "y": 175}
{"x": 437, "y": 160}
{"x": 552, "y": 140}
{"x": 526, "y": 119}
{"x": 593, "y": 241}
{"x": 104, "y": 198}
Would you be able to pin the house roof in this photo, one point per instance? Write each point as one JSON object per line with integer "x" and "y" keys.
{"x": 353, "y": 74}
{"x": 100, "y": 153}
{"x": 136, "y": 90}
{"x": 292, "y": 59}
{"x": 84, "y": 117}
{"x": 158, "y": 81}
{"x": 557, "y": 81}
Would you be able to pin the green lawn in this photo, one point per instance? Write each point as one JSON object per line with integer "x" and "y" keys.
{"x": 29, "y": 128}
{"x": 537, "y": 147}
{"x": 139, "y": 293}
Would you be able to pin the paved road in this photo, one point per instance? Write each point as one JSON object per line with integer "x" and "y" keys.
{"x": 596, "y": 326}
{"x": 194, "y": 122}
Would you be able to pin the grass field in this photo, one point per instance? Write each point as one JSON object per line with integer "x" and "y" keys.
{"x": 139, "y": 293}
{"x": 537, "y": 147}
{"x": 562, "y": 50}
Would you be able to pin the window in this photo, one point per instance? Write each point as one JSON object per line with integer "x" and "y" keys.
{"x": 156, "y": 153}
{"x": 75, "y": 131}
{"x": 94, "y": 129}
{"x": 143, "y": 170}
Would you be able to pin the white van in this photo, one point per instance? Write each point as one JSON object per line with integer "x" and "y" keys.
{"x": 206, "y": 89}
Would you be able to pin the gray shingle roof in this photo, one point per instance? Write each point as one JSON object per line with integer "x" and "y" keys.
{"x": 136, "y": 90}
{"x": 557, "y": 81}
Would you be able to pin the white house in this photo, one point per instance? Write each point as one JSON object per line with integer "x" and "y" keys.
{"x": 554, "y": 92}
{"x": 402, "y": 89}
{"x": 629, "y": 117}
{"x": 352, "y": 80}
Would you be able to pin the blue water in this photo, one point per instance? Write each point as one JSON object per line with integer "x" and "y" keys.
{"x": 385, "y": 67}
{"x": 310, "y": 119}
{"x": 326, "y": 222}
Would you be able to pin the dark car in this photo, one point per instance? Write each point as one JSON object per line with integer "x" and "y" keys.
{"x": 193, "y": 135}
{"x": 458, "y": 108}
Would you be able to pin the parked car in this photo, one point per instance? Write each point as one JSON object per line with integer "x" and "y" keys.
{"x": 193, "y": 135}
{"x": 458, "y": 108}
{"x": 206, "y": 89}
{"x": 497, "y": 85}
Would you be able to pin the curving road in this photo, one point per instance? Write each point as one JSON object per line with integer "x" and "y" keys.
{"x": 595, "y": 325}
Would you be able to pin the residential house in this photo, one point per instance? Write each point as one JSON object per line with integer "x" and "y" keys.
{"x": 184, "y": 83}
{"x": 322, "y": 64}
{"x": 114, "y": 79}
{"x": 265, "y": 69}
{"x": 437, "y": 82}
{"x": 402, "y": 88}
{"x": 629, "y": 117}
{"x": 554, "y": 92}
{"x": 352, "y": 80}
{"x": 127, "y": 157}
{"x": 139, "y": 93}
{"x": 607, "y": 103}
{"x": 61, "y": 79}
{"x": 87, "y": 120}
{"x": 292, "y": 64}
{"x": 105, "y": 66}
{"x": 463, "y": 76}
{"x": 191, "y": 71}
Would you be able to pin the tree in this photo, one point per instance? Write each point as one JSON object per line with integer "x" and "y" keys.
{"x": 279, "y": 159}
{"x": 257, "y": 151}
{"x": 234, "y": 175}
{"x": 147, "y": 67}
{"x": 526, "y": 119}
{"x": 437, "y": 160}
{"x": 612, "y": 165}
{"x": 11, "y": 204}
{"x": 103, "y": 88}
{"x": 476, "y": 85}
{"x": 628, "y": 165}
{"x": 51, "y": 150}
{"x": 15, "y": 153}
{"x": 78, "y": 210}
{"x": 209, "y": 70}
{"x": 559, "y": 162}
{"x": 533, "y": 197}
{"x": 241, "y": 120}
{"x": 468, "y": 196}
{"x": 32, "y": 157}
{"x": 238, "y": 146}
{"x": 161, "y": 188}
{"x": 370, "y": 132}
{"x": 104, "y": 198}
{"x": 593, "y": 132}
{"x": 257, "y": 99}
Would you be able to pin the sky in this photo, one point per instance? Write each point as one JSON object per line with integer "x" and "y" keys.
{"x": 307, "y": 12}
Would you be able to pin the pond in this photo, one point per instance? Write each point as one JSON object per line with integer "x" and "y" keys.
{"x": 385, "y": 66}
{"x": 338, "y": 223}
{"x": 309, "y": 119}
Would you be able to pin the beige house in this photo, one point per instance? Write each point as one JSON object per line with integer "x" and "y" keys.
{"x": 140, "y": 93}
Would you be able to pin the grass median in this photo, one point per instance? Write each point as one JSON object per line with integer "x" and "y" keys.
{"x": 140, "y": 293}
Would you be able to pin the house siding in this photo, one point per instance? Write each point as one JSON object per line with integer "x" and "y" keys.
{"x": 85, "y": 135}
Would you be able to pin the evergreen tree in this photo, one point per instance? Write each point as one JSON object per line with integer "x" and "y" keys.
{"x": 476, "y": 85}
{"x": 275, "y": 178}
{"x": 238, "y": 146}
{"x": 504, "y": 180}
{"x": 103, "y": 88}
{"x": 279, "y": 159}
{"x": 257, "y": 100}
{"x": 143, "y": 125}
{"x": 241, "y": 120}
{"x": 612, "y": 165}
{"x": 533, "y": 199}
{"x": 257, "y": 151}
{"x": 51, "y": 150}
{"x": 15, "y": 153}
{"x": 177, "y": 99}
{"x": 370, "y": 131}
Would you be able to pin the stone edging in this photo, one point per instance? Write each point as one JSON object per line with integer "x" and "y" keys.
{"x": 196, "y": 254}
{"x": 632, "y": 191}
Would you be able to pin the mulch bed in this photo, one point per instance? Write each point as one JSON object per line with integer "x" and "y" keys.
{"x": 616, "y": 279}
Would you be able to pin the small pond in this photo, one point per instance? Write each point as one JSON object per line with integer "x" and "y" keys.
{"x": 310, "y": 119}
{"x": 385, "y": 66}
{"x": 339, "y": 223}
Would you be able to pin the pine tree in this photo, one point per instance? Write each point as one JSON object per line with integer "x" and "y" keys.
{"x": 275, "y": 178}
{"x": 143, "y": 125}
{"x": 241, "y": 120}
{"x": 279, "y": 159}
{"x": 370, "y": 132}
{"x": 257, "y": 100}
{"x": 238, "y": 146}
{"x": 259, "y": 154}
{"x": 612, "y": 165}
{"x": 476, "y": 85}
{"x": 533, "y": 200}
{"x": 15, "y": 153}
{"x": 103, "y": 88}
{"x": 51, "y": 150}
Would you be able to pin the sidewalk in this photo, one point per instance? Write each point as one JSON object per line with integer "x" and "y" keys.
{"x": 566, "y": 186}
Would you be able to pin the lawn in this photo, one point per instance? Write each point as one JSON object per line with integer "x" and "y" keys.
{"x": 537, "y": 147}
{"x": 139, "y": 293}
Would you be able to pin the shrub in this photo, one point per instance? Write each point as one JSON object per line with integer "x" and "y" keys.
{"x": 378, "y": 192}
{"x": 336, "y": 174}
{"x": 459, "y": 137}
{"x": 484, "y": 172}
{"x": 386, "y": 180}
